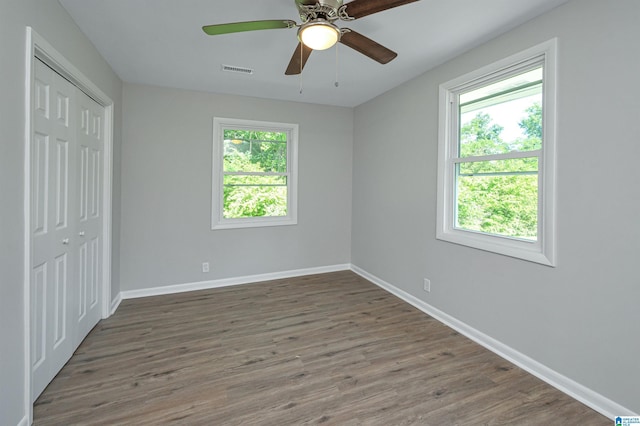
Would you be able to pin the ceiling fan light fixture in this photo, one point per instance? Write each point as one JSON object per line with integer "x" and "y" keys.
{"x": 319, "y": 34}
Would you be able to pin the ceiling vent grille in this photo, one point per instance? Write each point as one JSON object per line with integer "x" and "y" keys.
{"x": 239, "y": 70}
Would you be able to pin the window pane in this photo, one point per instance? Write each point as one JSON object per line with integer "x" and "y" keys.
{"x": 254, "y": 201}
{"x": 255, "y": 151}
{"x": 502, "y": 86}
{"x": 527, "y": 165}
{"x": 500, "y": 205}
{"x": 254, "y": 196}
{"x": 502, "y": 117}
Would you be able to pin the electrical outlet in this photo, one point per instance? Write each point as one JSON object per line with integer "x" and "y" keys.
{"x": 205, "y": 266}
{"x": 427, "y": 285}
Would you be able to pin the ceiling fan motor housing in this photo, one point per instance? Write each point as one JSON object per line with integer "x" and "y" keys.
{"x": 334, "y": 4}
{"x": 325, "y": 9}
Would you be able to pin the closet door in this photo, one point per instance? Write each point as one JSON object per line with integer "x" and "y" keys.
{"x": 90, "y": 138}
{"x": 52, "y": 225}
{"x": 67, "y": 222}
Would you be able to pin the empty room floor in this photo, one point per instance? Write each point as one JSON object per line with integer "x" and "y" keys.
{"x": 322, "y": 349}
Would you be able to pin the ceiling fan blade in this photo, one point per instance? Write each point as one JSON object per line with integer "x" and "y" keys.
{"x": 359, "y": 8}
{"x": 236, "y": 27}
{"x": 367, "y": 47}
{"x": 298, "y": 60}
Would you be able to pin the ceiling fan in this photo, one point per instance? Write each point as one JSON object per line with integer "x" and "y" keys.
{"x": 318, "y": 30}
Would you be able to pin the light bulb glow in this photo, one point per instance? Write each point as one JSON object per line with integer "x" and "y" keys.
{"x": 319, "y": 35}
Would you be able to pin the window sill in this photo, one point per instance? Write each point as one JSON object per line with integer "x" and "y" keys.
{"x": 253, "y": 223}
{"x": 519, "y": 249}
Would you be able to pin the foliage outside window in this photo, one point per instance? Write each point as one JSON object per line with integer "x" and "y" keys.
{"x": 496, "y": 160}
{"x": 254, "y": 173}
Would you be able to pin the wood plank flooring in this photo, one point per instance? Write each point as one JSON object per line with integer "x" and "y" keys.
{"x": 328, "y": 349}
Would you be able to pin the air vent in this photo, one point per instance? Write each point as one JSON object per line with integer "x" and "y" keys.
{"x": 239, "y": 70}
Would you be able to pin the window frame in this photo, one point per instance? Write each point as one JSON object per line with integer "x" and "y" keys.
{"x": 543, "y": 250}
{"x": 218, "y": 221}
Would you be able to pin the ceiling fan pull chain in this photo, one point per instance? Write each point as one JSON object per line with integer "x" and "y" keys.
{"x": 336, "y": 83}
{"x": 301, "y": 68}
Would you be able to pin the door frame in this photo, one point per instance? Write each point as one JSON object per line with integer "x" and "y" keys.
{"x": 38, "y": 47}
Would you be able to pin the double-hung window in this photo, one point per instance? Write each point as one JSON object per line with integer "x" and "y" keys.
{"x": 496, "y": 157}
{"x": 254, "y": 173}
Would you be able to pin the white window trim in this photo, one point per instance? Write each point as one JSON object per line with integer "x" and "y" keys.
{"x": 542, "y": 251}
{"x": 217, "y": 219}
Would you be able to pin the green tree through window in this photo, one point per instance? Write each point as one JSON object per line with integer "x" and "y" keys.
{"x": 255, "y": 173}
{"x": 499, "y": 196}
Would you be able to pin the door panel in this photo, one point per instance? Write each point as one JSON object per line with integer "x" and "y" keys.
{"x": 94, "y": 290}
{"x": 83, "y": 178}
{"x": 38, "y": 322}
{"x": 89, "y": 221}
{"x": 60, "y": 301}
{"x": 62, "y": 183}
{"x": 82, "y": 281}
{"x": 40, "y": 183}
{"x": 96, "y": 160}
{"x": 52, "y": 195}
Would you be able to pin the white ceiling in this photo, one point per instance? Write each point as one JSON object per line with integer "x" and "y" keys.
{"x": 161, "y": 42}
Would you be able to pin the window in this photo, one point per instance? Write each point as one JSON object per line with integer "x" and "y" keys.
{"x": 496, "y": 165}
{"x": 254, "y": 173}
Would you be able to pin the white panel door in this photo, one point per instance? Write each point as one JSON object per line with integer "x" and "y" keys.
{"x": 52, "y": 225}
{"x": 90, "y": 137}
{"x": 67, "y": 222}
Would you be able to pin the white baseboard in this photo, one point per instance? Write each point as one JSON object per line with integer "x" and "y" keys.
{"x": 226, "y": 282}
{"x": 24, "y": 421}
{"x": 590, "y": 398}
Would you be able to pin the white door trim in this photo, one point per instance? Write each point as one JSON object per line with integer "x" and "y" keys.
{"x": 38, "y": 47}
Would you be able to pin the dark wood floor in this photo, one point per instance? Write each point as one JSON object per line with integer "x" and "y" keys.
{"x": 330, "y": 349}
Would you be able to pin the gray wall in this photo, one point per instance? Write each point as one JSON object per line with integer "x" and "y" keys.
{"x": 581, "y": 318}
{"x": 53, "y": 23}
{"x": 166, "y": 190}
